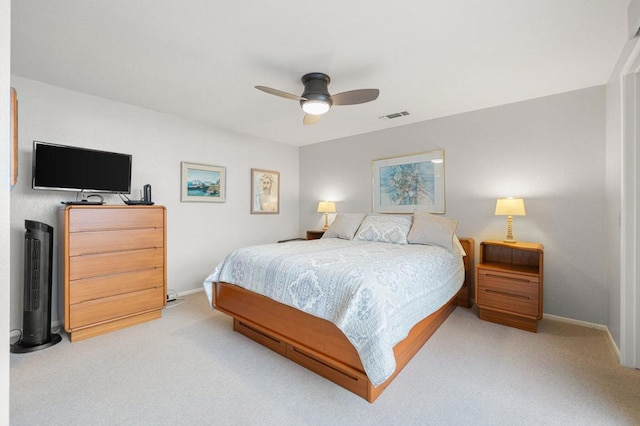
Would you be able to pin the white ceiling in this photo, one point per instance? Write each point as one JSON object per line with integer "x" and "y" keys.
{"x": 202, "y": 58}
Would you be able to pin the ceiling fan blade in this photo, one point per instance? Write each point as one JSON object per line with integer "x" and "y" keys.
{"x": 354, "y": 97}
{"x": 279, "y": 93}
{"x": 311, "y": 119}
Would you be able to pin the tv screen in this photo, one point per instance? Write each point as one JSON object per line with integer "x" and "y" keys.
{"x": 69, "y": 168}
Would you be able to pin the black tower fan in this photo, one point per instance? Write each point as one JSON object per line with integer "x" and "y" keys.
{"x": 38, "y": 262}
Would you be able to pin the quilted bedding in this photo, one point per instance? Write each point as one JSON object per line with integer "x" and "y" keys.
{"x": 373, "y": 292}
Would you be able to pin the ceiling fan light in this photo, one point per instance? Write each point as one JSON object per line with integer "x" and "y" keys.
{"x": 315, "y": 107}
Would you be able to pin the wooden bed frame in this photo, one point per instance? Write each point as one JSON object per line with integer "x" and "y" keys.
{"x": 318, "y": 344}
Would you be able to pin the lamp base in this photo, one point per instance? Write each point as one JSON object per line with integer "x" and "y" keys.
{"x": 509, "y": 238}
{"x": 326, "y": 221}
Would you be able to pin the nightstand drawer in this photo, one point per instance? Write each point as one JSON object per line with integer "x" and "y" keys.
{"x": 508, "y": 292}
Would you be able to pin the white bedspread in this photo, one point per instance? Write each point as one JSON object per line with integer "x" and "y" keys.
{"x": 374, "y": 292}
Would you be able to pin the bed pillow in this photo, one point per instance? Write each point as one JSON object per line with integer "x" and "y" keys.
{"x": 458, "y": 245}
{"x": 344, "y": 226}
{"x": 435, "y": 230}
{"x": 384, "y": 228}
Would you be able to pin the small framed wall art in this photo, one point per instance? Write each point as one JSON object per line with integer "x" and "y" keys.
{"x": 265, "y": 191}
{"x": 203, "y": 183}
{"x": 409, "y": 183}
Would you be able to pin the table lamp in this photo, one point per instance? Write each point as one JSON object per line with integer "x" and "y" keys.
{"x": 510, "y": 207}
{"x": 326, "y": 207}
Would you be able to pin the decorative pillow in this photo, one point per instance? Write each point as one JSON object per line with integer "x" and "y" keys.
{"x": 433, "y": 230}
{"x": 344, "y": 226}
{"x": 385, "y": 229}
{"x": 458, "y": 246}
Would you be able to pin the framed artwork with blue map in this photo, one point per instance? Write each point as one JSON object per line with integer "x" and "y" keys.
{"x": 409, "y": 183}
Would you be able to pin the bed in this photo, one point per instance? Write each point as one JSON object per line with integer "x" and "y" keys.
{"x": 317, "y": 303}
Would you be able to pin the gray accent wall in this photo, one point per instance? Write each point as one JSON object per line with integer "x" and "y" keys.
{"x": 550, "y": 151}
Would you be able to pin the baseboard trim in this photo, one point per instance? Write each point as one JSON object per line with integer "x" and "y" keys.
{"x": 589, "y": 325}
{"x": 185, "y": 293}
{"x": 575, "y": 322}
{"x": 614, "y": 346}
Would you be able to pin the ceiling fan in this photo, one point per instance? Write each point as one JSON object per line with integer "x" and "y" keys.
{"x": 316, "y": 100}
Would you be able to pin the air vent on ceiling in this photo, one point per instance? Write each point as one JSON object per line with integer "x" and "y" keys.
{"x": 394, "y": 115}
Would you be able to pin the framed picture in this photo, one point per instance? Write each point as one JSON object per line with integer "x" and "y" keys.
{"x": 410, "y": 183}
{"x": 203, "y": 183}
{"x": 14, "y": 138}
{"x": 265, "y": 191}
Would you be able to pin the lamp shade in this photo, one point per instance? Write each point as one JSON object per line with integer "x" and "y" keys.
{"x": 510, "y": 207}
{"x": 326, "y": 207}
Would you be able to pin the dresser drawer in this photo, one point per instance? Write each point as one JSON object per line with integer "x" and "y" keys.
{"x": 81, "y": 243}
{"x": 115, "y": 218}
{"x": 112, "y": 285}
{"x": 94, "y": 265}
{"x": 508, "y": 292}
{"x": 111, "y": 308}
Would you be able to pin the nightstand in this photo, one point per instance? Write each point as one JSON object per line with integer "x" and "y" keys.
{"x": 314, "y": 235}
{"x": 509, "y": 283}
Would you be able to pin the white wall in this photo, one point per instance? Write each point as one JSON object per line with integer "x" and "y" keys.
{"x": 549, "y": 151}
{"x": 618, "y": 200}
{"x": 633, "y": 18}
{"x": 5, "y": 291}
{"x": 199, "y": 234}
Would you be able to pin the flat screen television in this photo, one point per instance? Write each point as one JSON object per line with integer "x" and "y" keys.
{"x": 70, "y": 168}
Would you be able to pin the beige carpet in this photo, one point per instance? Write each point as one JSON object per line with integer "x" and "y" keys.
{"x": 190, "y": 368}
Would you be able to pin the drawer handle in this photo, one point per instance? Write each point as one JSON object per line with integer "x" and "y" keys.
{"x": 502, "y": 293}
{"x": 522, "y": 280}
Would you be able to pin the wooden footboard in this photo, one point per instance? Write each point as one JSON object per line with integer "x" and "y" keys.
{"x": 318, "y": 344}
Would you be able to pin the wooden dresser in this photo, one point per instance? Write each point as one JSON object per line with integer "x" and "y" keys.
{"x": 112, "y": 267}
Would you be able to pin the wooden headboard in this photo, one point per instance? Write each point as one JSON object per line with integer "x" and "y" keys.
{"x": 465, "y": 295}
